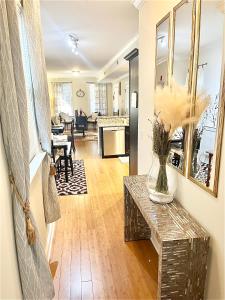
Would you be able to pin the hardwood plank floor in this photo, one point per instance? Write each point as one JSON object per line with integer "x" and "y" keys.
{"x": 94, "y": 262}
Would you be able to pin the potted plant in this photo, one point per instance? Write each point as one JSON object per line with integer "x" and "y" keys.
{"x": 173, "y": 109}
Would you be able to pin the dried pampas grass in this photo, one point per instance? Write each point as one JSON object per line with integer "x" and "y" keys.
{"x": 173, "y": 107}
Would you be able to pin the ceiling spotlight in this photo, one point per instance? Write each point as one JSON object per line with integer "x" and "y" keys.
{"x": 70, "y": 43}
{"x": 76, "y": 72}
{"x": 74, "y": 43}
{"x": 75, "y": 51}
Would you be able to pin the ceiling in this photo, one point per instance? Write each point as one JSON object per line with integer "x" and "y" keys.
{"x": 103, "y": 29}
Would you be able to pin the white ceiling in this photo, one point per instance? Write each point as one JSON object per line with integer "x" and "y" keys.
{"x": 103, "y": 28}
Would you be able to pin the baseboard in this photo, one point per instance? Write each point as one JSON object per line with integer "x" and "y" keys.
{"x": 50, "y": 236}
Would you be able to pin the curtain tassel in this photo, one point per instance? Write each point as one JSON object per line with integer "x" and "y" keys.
{"x": 52, "y": 170}
{"x": 30, "y": 230}
{"x": 31, "y": 235}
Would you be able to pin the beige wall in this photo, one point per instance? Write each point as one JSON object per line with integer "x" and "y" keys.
{"x": 209, "y": 211}
{"x": 77, "y": 83}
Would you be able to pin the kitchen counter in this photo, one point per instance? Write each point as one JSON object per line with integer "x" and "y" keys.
{"x": 111, "y": 121}
{"x": 113, "y": 136}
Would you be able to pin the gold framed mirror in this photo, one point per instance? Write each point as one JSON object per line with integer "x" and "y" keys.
{"x": 162, "y": 51}
{"x": 182, "y": 67}
{"x": 208, "y": 78}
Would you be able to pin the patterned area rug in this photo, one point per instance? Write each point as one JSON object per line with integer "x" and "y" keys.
{"x": 77, "y": 183}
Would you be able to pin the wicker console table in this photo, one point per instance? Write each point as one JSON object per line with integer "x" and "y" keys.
{"x": 182, "y": 244}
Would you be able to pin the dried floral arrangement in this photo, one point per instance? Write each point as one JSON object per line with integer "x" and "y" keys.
{"x": 173, "y": 109}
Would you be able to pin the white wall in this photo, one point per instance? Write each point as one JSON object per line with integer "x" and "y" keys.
{"x": 115, "y": 95}
{"x": 122, "y": 101}
{"x": 78, "y": 83}
{"x": 209, "y": 211}
{"x": 81, "y": 102}
{"x": 121, "y": 98}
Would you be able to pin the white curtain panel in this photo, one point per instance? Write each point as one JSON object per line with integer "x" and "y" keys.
{"x": 62, "y": 97}
{"x": 36, "y": 280}
{"x": 57, "y": 93}
{"x": 31, "y": 9}
{"x": 101, "y": 98}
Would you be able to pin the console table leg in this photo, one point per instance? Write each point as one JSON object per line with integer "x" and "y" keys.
{"x": 182, "y": 269}
{"x": 135, "y": 227}
{"x": 181, "y": 243}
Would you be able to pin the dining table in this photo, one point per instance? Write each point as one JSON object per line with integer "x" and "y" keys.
{"x": 58, "y": 129}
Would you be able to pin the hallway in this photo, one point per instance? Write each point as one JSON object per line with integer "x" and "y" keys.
{"x": 93, "y": 260}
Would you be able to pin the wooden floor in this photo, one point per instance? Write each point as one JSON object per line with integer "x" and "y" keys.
{"x": 94, "y": 262}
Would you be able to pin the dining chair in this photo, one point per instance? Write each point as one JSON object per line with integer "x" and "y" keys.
{"x": 71, "y": 137}
{"x": 62, "y": 152}
{"x": 81, "y": 124}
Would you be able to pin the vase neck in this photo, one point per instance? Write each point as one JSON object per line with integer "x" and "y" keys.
{"x": 162, "y": 159}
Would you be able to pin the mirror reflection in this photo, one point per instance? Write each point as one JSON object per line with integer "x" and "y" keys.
{"x": 180, "y": 67}
{"x": 162, "y": 52}
{"x": 206, "y": 135}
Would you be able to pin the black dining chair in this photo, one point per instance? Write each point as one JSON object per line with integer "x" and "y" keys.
{"x": 81, "y": 124}
{"x": 71, "y": 137}
{"x": 62, "y": 153}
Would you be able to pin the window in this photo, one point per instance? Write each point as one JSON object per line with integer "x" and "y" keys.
{"x": 34, "y": 145}
{"x": 98, "y": 98}
{"x": 62, "y": 97}
{"x": 92, "y": 97}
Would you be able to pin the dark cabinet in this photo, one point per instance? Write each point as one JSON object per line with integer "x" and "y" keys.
{"x": 132, "y": 57}
{"x": 127, "y": 140}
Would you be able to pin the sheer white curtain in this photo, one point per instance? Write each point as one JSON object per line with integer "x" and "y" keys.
{"x": 98, "y": 98}
{"x": 32, "y": 126}
{"x": 35, "y": 276}
{"x": 92, "y": 97}
{"x": 62, "y": 97}
{"x": 101, "y": 99}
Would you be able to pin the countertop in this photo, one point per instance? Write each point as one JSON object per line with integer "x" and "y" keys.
{"x": 113, "y": 121}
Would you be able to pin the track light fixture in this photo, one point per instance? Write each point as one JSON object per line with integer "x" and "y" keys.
{"x": 74, "y": 43}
